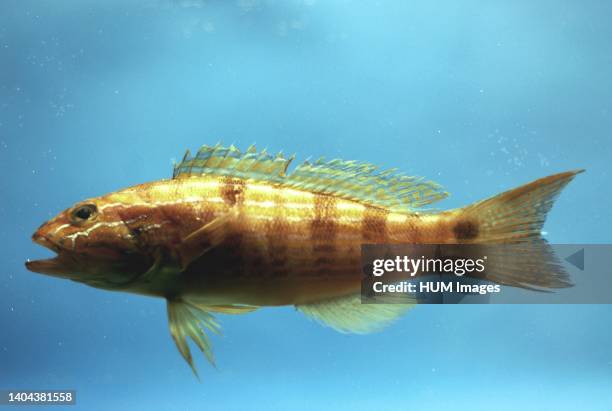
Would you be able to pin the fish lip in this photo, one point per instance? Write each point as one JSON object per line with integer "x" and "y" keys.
{"x": 46, "y": 242}
{"x": 46, "y": 266}
{"x": 54, "y": 266}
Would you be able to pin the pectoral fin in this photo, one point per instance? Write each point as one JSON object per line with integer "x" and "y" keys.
{"x": 187, "y": 320}
{"x": 205, "y": 238}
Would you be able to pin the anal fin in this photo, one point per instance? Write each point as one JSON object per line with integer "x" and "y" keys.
{"x": 222, "y": 309}
{"x": 348, "y": 315}
{"x": 231, "y": 309}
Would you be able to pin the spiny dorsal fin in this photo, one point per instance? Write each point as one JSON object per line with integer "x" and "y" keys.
{"x": 351, "y": 180}
{"x": 348, "y": 315}
{"x": 187, "y": 320}
{"x": 229, "y": 161}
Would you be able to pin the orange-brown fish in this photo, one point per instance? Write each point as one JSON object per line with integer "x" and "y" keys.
{"x": 232, "y": 232}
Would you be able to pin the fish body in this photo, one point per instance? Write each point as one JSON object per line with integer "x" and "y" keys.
{"x": 277, "y": 239}
{"x": 232, "y": 232}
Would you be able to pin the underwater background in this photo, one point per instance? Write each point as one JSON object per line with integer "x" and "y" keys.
{"x": 480, "y": 96}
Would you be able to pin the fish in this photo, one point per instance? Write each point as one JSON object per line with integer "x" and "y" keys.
{"x": 232, "y": 232}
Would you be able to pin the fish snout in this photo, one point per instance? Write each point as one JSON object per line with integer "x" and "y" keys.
{"x": 57, "y": 266}
{"x": 41, "y": 237}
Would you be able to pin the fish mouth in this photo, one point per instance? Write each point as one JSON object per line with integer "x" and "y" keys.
{"x": 106, "y": 270}
{"x": 57, "y": 266}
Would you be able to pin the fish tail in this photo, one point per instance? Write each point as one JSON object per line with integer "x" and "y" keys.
{"x": 509, "y": 226}
{"x": 513, "y": 216}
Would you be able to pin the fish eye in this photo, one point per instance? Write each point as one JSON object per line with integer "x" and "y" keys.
{"x": 84, "y": 213}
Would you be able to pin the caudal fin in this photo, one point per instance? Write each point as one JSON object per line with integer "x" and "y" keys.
{"x": 515, "y": 216}
{"x": 509, "y": 226}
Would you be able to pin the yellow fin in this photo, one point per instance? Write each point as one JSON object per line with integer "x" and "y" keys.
{"x": 223, "y": 309}
{"x": 352, "y": 180}
{"x": 532, "y": 266}
{"x": 205, "y": 238}
{"x": 513, "y": 216}
{"x": 229, "y": 161}
{"x": 348, "y": 315}
{"x": 232, "y": 309}
{"x": 186, "y": 320}
{"x": 365, "y": 183}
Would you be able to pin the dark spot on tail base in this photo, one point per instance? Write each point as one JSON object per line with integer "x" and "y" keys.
{"x": 466, "y": 230}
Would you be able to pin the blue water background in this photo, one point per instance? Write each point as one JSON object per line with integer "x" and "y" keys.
{"x": 481, "y": 96}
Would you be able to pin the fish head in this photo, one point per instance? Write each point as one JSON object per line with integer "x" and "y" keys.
{"x": 92, "y": 245}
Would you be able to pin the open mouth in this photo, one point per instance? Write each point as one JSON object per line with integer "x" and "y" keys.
{"x": 56, "y": 266}
{"x": 108, "y": 266}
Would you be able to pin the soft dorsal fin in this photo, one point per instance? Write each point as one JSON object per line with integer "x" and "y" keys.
{"x": 364, "y": 182}
{"x": 351, "y": 180}
{"x": 348, "y": 315}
